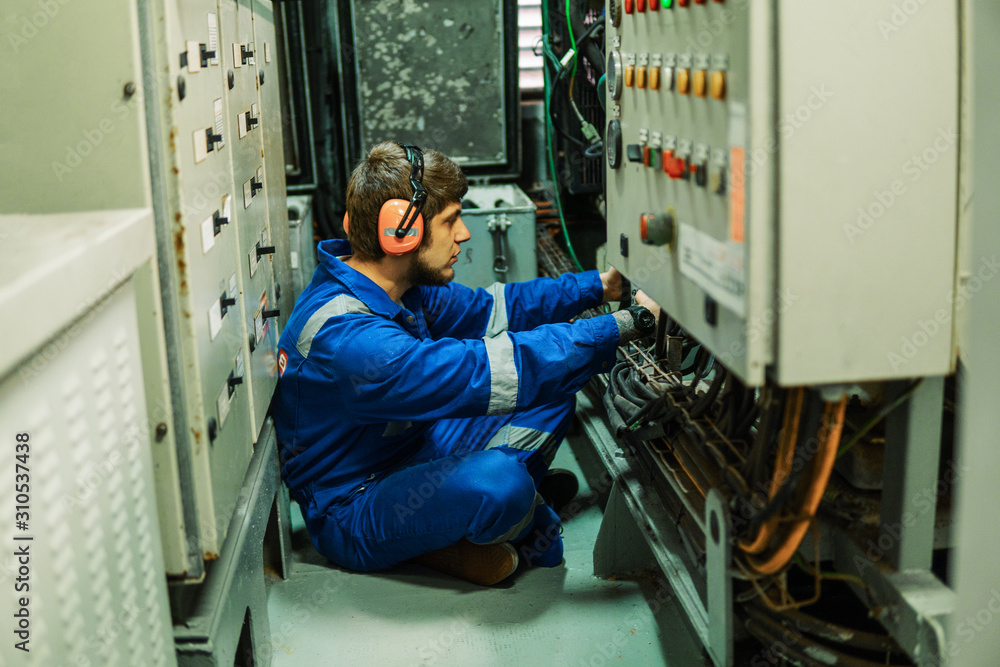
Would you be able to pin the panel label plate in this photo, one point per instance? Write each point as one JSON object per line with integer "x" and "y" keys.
{"x": 715, "y": 266}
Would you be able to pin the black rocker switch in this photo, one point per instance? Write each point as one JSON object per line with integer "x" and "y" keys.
{"x": 206, "y": 55}
{"x": 226, "y": 303}
{"x": 218, "y": 221}
{"x": 212, "y": 139}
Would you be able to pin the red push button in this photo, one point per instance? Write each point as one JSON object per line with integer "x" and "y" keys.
{"x": 640, "y": 5}
{"x": 629, "y": 6}
{"x": 647, "y": 156}
{"x": 675, "y": 168}
{"x": 682, "y": 3}
{"x": 654, "y": 5}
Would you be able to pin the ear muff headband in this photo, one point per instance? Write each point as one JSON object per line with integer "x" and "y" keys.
{"x": 400, "y": 222}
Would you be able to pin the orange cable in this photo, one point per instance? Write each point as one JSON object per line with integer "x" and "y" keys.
{"x": 782, "y": 467}
{"x": 833, "y": 424}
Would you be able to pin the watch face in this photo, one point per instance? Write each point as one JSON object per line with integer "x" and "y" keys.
{"x": 647, "y": 321}
{"x": 644, "y": 320}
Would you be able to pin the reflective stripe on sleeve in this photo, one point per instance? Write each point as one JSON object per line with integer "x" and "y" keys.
{"x": 498, "y": 316}
{"x": 503, "y": 374}
{"x": 341, "y": 304}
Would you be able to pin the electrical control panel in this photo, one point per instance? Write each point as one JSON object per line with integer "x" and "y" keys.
{"x": 782, "y": 180}
{"x": 222, "y": 250}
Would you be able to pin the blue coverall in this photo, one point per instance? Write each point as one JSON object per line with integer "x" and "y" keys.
{"x": 405, "y": 428}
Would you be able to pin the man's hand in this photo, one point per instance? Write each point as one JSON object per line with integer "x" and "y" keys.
{"x": 612, "y": 281}
{"x": 642, "y": 299}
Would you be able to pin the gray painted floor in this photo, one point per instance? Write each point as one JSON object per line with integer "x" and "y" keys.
{"x": 323, "y": 615}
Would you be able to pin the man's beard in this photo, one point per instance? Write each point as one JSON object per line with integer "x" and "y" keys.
{"x": 420, "y": 273}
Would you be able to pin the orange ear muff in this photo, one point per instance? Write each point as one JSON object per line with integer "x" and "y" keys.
{"x": 389, "y": 217}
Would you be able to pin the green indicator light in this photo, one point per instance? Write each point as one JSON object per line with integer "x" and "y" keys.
{"x": 668, "y": 4}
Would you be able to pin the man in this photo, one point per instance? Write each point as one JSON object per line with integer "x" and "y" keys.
{"x": 417, "y": 418}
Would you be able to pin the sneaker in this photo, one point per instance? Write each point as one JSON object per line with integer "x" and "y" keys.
{"x": 483, "y": 564}
{"x": 543, "y": 545}
{"x": 558, "y": 488}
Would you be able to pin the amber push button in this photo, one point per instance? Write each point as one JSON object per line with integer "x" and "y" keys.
{"x": 640, "y": 78}
{"x": 700, "y": 83}
{"x": 630, "y": 75}
{"x": 718, "y": 85}
{"x": 654, "y": 78}
{"x": 683, "y": 81}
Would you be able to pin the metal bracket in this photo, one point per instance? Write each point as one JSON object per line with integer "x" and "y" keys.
{"x": 718, "y": 554}
{"x": 498, "y": 226}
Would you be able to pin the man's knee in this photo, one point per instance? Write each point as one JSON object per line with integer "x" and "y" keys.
{"x": 502, "y": 480}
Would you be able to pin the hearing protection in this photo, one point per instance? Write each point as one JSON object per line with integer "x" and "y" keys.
{"x": 400, "y": 222}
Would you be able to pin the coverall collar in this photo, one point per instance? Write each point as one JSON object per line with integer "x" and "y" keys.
{"x": 360, "y": 285}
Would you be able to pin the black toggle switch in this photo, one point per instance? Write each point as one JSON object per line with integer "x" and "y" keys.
{"x": 255, "y": 186}
{"x": 226, "y": 302}
{"x": 265, "y": 250}
{"x": 206, "y": 55}
{"x": 212, "y": 139}
{"x": 252, "y": 342}
{"x": 623, "y": 245}
{"x": 245, "y": 53}
{"x": 218, "y": 221}
{"x": 634, "y": 152}
{"x": 270, "y": 313}
{"x": 235, "y": 381}
{"x": 213, "y": 429}
{"x": 251, "y": 121}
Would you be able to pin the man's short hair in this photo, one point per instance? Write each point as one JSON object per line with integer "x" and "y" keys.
{"x": 384, "y": 174}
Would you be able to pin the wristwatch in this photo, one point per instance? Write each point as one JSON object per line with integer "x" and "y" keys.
{"x": 645, "y": 321}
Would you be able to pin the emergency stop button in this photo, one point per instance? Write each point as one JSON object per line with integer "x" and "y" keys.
{"x": 657, "y": 228}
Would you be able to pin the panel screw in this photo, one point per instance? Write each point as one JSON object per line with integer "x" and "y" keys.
{"x": 161, "y": 431}
{"x": 129, "y": 89}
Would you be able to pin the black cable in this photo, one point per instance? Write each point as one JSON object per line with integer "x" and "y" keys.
{"x": 808, "y": 428}
{"x": 706, "y": 400}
